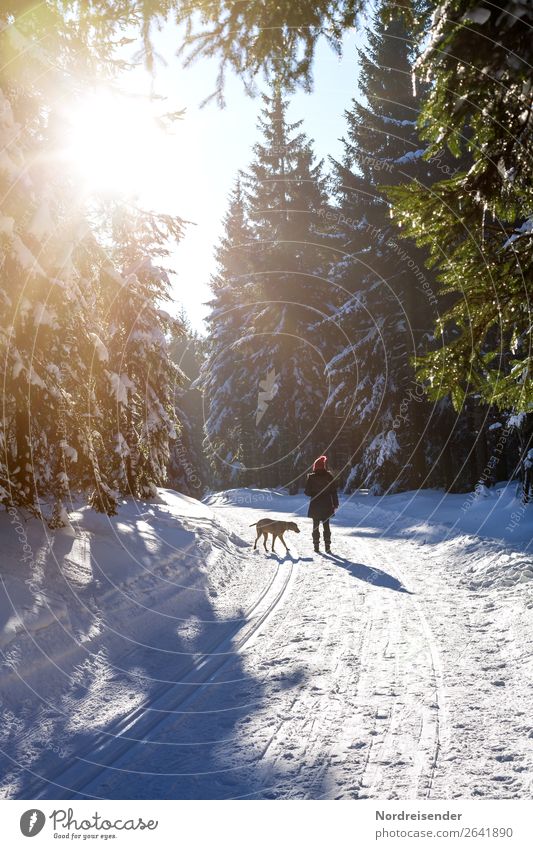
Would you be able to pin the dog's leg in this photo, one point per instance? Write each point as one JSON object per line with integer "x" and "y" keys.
{"x": 274, "y": 537}
{"x": 283, "y": 541}
{"x": 257, "y": 537}
{"x": 265, "y": 541}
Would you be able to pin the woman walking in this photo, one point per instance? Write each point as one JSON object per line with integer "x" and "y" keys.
{"x": 322, "y": 489}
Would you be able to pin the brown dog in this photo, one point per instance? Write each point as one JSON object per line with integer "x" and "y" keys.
{"x": 274, "y": 527}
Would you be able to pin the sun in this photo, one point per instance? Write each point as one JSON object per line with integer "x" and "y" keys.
{"x": 116, "y": 144}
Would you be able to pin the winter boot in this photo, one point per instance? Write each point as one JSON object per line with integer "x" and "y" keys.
{"x": 327, "y": 541}
{"x": 316, "y": 538}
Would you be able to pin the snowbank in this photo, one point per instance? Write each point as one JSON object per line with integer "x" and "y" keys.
{"x": 495, "y": 513}
{"x": 96, "y": 617}
{"x": 170, "y": 544}
{"x": 491, "y": 530}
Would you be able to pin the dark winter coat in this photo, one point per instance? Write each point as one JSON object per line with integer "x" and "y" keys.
{"x": 322, "y": 489}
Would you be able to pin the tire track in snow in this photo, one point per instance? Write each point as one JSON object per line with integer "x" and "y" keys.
{"x": 379, "y": 773}
{"x": 305, "y": 738}
{"x": 439, "y": 721}
{"x": 212, "y": 662}
{"x": 343, "y": 723}
{"x": 433, "y": 720}
{"x": 305, "y": 743}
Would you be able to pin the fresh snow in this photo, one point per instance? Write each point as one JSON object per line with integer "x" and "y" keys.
{"x": 120, "y": 383}
{"x": 525, "y": 229}
{"x": 100, "y": 349}
{"x": 387, "y": 119}
{"x": 409, "y": 156}
{"x": 154, "y": 654}
{"x": 384, "y": 447}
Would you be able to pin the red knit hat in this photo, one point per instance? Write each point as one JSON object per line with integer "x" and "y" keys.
{"x": 320, "y": 463}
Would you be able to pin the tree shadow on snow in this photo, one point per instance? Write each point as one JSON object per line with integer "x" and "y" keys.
{"x": 145, "y": 674}
{"x": 369, "y": 574}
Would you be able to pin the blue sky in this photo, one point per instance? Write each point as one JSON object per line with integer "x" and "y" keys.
{"x": 212, "y": 144}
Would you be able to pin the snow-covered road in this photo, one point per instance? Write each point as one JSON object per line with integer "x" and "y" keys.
{"x": 397, "y": 667}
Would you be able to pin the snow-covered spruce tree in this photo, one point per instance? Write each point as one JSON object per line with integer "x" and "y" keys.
{"x": 139, "y": 369}
{"x": 267, "y": 386}
{"x": 187, "y": 468}
{"x": 390, "y": 305}
{"x": 286, "y": 193}
{"x": 222, "y": 379}
{"x": 477, "y": 224}
{"x": 58, "y": 393}
{"x": 47, "y": 321}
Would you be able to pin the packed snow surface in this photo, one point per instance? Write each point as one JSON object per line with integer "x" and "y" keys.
{"x": 154, "y": 654}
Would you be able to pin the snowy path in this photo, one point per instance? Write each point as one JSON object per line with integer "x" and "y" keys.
{"x": 378, "y": 672}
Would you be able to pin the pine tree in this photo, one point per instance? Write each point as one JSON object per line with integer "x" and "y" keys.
{"x": 223, "y": 374}
{"x": 139, "y": 370}
{"x": 286, "y": 193}
{"x": 265, "y": 377}
{"x": 476, "y": 224}
{"x": 251, "y": 37}
{"x": 187, "y": 470}
{"x": 46, "y": 322}
{"x": 61, "y": 356}
{"x": 389, "y": 300}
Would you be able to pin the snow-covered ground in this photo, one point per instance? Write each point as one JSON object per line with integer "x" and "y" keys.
{"x": 155, "y": 655}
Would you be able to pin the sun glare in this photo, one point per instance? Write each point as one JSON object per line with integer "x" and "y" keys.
{"x": 116, "y": 144}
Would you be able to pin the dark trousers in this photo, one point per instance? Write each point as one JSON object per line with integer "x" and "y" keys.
{"x": 326, "y": 531}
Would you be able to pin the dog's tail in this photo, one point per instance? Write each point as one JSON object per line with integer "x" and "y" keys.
{"x": 252, "y": 525}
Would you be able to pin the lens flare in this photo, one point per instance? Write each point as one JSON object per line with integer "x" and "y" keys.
{"x": 116, "y": 144}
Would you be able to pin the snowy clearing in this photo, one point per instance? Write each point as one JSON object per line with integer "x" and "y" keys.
{"x": 155, "y": 655}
